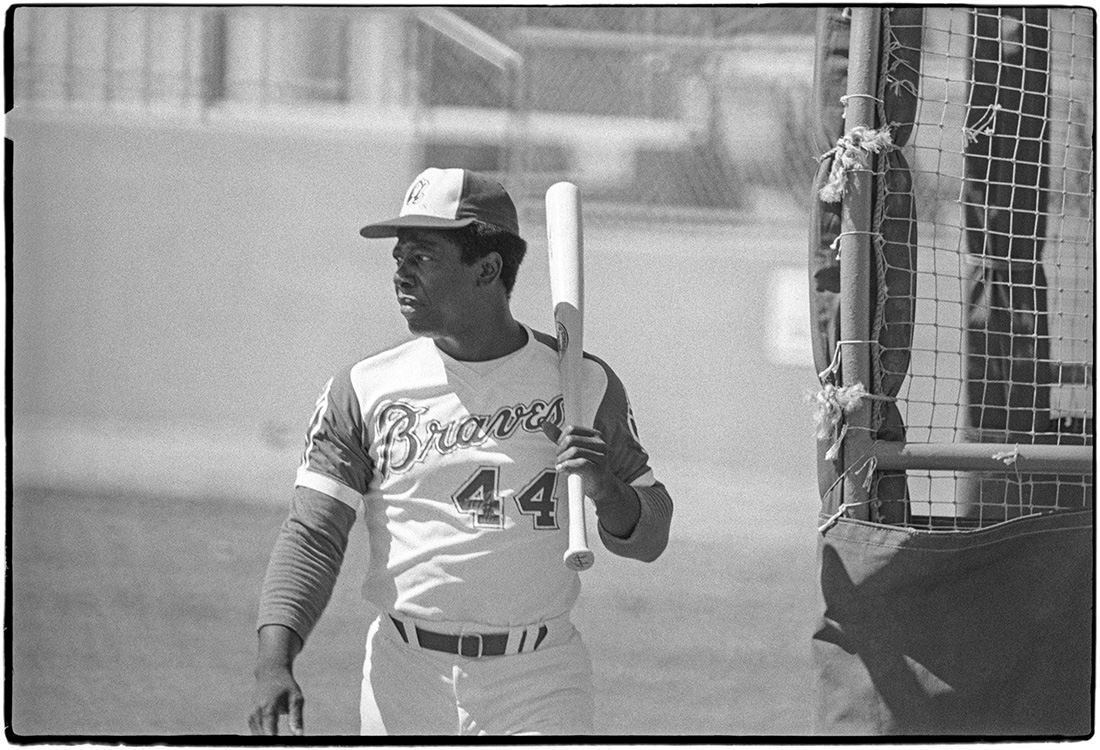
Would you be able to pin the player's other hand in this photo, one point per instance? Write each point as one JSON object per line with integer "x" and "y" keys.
{"x": 582, "y": 450}
{"x": 276, "y": 693}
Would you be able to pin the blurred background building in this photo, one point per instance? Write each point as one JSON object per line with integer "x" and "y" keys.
{"x": 670, "y": 106}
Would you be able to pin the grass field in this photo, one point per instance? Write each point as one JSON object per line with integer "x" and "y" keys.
{"x": 133, "y": 615}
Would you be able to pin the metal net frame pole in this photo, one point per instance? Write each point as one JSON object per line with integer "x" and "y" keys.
{"x": 855, "y": 266}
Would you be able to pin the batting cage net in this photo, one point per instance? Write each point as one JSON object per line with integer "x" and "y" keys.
{"x": 951, "y": 263}
{"x": 981, "y": 235}
{"x": 1002, "y": 184}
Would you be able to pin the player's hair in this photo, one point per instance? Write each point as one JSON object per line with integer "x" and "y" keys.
{"x": 479, "y": 239}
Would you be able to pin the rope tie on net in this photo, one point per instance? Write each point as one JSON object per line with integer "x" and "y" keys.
{"x": 834, "y": 365}
{"x": 834, "y": 402}
{"x": 869, "y": 465}
{"x": 1008, "y": 457}
{"x": 984, "y": 125}
{"x": 852, "y": 154}
{"x": 895, "y": 84}
{"x": 844, "y": 99}
{"x": 835, "y": 244}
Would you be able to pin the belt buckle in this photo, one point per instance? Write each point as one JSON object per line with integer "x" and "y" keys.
{"x": 477, "y": 639}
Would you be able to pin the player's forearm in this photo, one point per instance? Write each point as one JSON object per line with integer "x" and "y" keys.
{"x": 305, "y": 562}
{"x": 649, "y": 536}
{"x": 278, "y": 647}
{"x": 618, "y": 508}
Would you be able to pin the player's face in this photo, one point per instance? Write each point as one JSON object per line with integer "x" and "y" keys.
{"x": 435, "y": 289}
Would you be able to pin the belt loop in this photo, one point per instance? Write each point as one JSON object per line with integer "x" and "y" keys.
{"x": 543, "y": 630}
{"x": 400, "y": 628}
{"x": 522, "y": 640}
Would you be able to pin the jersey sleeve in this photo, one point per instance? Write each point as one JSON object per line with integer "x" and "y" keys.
{"x": 630, "y": 463}
{"x": 335, "y": 460}
{"x": 305, "y": 562}
{"x": 615, "y": 421}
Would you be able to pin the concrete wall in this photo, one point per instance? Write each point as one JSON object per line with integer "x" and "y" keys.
{"x": 182, "y": 293}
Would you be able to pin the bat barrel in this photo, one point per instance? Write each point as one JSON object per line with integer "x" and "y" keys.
{"x": 565, "y": 238}
{"x": 565, "y": 241}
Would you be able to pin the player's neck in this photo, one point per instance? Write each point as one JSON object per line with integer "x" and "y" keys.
{"x": 482, "y": 341}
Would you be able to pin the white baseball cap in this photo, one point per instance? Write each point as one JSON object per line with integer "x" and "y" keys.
{"x": 450, "y": 199}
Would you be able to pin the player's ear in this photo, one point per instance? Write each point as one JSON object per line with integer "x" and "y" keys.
{"x": 489, "y": 268}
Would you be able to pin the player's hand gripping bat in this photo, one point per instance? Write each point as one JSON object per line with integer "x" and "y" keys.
{"x": 563, "y": 233}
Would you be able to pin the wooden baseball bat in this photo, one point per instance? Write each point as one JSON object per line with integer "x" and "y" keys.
{"x": 564, "y": 237}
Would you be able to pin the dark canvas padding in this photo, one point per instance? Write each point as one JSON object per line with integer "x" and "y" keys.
{"x": 984, "y": 632}
{"x": 830, "y": 82}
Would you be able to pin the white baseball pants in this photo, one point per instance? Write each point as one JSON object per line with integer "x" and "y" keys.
{"x": 411, "y": 690}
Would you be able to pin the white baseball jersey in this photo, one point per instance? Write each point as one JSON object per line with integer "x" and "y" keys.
{"x": 467, "y": 517}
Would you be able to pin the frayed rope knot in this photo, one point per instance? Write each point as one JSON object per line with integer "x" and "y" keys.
{"x": 851, "y": 153}
{"x": 833, "y": 402}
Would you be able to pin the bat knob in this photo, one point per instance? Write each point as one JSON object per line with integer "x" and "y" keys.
{"x": 579, "y": 559}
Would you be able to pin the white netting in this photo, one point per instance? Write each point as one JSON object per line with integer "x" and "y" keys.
{"x": 996, "y": 362}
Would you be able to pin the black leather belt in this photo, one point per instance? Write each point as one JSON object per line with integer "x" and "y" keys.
{"x": 471, "y": 645}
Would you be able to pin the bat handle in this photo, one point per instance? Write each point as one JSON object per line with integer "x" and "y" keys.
{"x": 578, "y": 556}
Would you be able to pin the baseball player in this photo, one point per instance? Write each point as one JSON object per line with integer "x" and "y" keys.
{"x": 451, "y": 449}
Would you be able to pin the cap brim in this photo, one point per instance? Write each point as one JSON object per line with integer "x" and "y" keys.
{"x": 390, "y": 228}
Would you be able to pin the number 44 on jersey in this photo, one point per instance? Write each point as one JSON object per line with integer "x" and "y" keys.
{"x": 481, "y": 498}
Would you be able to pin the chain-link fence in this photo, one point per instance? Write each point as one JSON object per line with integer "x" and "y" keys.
{"x": 657, "y": 106}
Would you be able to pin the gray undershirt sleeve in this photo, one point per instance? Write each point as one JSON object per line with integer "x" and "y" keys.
{"x": 650, "y": 535}
{"x": 305, "y": 562}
